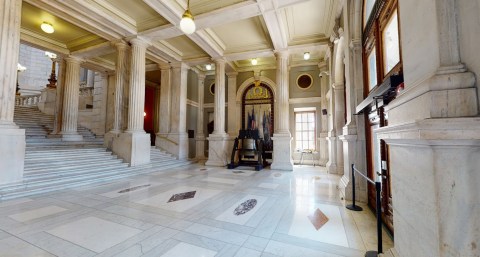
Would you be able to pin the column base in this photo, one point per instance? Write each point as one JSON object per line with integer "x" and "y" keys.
{"x": 72, "y": 137}
{"x": 282, "y": 152}
{"x": 133, "y": 148}
{"x": 12, "y": 155}
{"x": 108, "y": 139}
{"x": 200, "y": 148}
{"x": 217, "y": 150}
{"x": 173, "y": 143}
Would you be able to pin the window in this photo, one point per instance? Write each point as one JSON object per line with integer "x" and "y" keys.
{"x": 391, "y": 44}
{"x": 305, "y": 130}
{"x": 368, "y": 10}
{"x": 372, "y": 70}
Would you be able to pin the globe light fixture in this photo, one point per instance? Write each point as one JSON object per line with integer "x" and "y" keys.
{"x": 208, "y": 66}
{"x": 254, "y": 61}
{"x": 187, "y": 25}
{"x": 47, "y": 27}
{"x": 306, "y": 55}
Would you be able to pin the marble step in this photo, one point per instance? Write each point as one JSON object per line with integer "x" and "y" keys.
{"x": 127, "y": 172}
{"x": 52, "y": 164}
{"x": 59, "y": 155}
{"x": 389, "y": 253}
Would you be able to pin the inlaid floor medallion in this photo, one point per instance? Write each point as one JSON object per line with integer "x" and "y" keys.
{"x": 245, "y": 207}
{"x": 133, "y": 188}
{"x": 182, "y": 196}
{"x": 238, "y": 171}
{"x": 318, "y": 219}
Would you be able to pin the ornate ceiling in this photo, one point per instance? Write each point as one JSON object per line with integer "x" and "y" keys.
{"x": 233, "y": 29}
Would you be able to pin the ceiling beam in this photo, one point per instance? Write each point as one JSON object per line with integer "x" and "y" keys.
{"x": 41, "y": 42}
{"x": 94, "y": 51}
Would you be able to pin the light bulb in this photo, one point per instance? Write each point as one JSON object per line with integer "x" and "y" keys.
{"x": 51, "y": 55}
{"x": 187, "y": 25}
{"x": 208, "y": 66}
{"x": 47, "y": 28}
{"x": 306, "y": 55}
{"x": 254, "y": 61}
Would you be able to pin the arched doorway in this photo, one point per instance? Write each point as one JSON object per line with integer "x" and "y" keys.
{"x": 258, "y": 112}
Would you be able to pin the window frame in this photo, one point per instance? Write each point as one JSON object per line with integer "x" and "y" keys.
{"x": 301, "y": 131}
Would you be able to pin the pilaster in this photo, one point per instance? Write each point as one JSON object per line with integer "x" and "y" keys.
{"x": 282, "y": 148}
{"x": 233, "y": 113}
{"x": 175, "y": 141}
{"x": 121, "y": 76}
{"x": 60, "y": 90}
{"x": 12, "y": 147}
{"x": 200, "y": 138}
{"x": 70, "y": 100}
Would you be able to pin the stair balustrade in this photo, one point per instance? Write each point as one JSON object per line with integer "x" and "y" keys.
{"x": 27, "y": 100}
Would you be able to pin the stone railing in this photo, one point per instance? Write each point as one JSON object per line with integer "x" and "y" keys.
{"x": 86, "y": 91}
{"x": 27, "y": 100}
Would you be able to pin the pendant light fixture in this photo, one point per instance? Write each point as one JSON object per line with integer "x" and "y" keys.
{"x": 187, "y": 25}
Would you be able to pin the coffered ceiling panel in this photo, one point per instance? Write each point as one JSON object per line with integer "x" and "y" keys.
{"x": 71, "y": 36}
{"x": 185, "y": 47}
{"x": 144, "y": 16}
{"x": 243, "y": 35}
{"x": 263, "y": 62}
{"x": 308, "y": 22}
{"x": 204, "y": 6}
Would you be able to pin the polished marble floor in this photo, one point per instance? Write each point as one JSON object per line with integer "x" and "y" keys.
{"x": 193, "y": 211}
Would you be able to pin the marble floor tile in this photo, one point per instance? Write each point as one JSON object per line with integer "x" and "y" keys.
{"x": 245, "y": 252}
{"x": 238, "y": 213}
{"x": 14, "y": 247}
{"x": 220, "y": 234}
{"x": 133, "y": 188}
{"x": 181, "y": 176}
{"x": 268, "y": 185}
{"x": 188, "y": 250}
{"x": 332, "y": 231}
{"x": 221, "y": 180}
{"x": 283, "y": 249}
{"x": 256, "y": 243}
{"x": 161, "y": 200}
{"x": 237, "y": 172}
{"x": 14, "y": 202}
{"x": 93, "y": 233}
{"x": 37, "y": 213}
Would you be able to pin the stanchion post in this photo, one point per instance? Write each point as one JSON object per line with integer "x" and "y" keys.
{"x": 378, "y": 189}
{"x": 352, "y": 206}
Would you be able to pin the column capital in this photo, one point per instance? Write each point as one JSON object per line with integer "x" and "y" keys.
{"x": 73, "y": 59}
{"x": 181, "y": 65}
{"x": 163, "y": 66}
{"x": 120, "y": 44}
{"x": 138, "y": 41}
{"x": 201, "y": 76}
{"x": 219, "y": 61}
{"x": 232, "y": 74}
{"x": 282, "y": 54}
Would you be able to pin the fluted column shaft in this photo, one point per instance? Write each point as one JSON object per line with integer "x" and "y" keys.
{"x": 201, "y": 88}
{"x": 57, "y": 123}
{"x": 165, "y": 99}
{"x": 219, "y": 98}
{"x": 120, "y": 78}
{"x": 137, "y": 86}
{"x": 283, "y": 93}
{"x": 9, "y": 42}
{"x": 233, "y": 113}
{"x": 179, "y": 98}
{"x": 71, "y": 93}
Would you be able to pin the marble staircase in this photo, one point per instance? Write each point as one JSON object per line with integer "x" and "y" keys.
{"x": 389, "y": 253}
{"x": 52, "y": 164}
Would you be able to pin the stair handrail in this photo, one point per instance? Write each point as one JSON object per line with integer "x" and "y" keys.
{"x": 353, "y": 207}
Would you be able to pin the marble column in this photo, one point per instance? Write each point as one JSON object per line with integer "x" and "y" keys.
{"x": 161, "y": 139}
{"x": 176, "y": 140}
{"x": 200, "y": 138}
{"x": 217, "y": 141}
{"x": 322, "y": 140}
{"x": 233, "y": 124}
{"x": 120, "y": 81}
{"x": 90, "y": 78}
{"x": 58, "y": 113}
{"x": 353, "y": 132}
{"x": 134, "y": 144}
{"x": 70, "y": 100}
{"x": 12, "y": 148}
{"x": 282, "y": 149}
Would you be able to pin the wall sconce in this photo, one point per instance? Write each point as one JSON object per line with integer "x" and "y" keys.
{"x": 208, "y": 66}
{"x": 47, "y": 27}
{"x": 306, "y": 55}
{"x": 187, "y": 25}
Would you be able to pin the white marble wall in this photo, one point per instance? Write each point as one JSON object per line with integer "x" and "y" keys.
{"x": 39, "y": 67}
